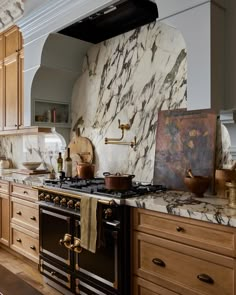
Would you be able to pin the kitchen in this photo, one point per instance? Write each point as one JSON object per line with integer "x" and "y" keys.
{"x": 99, "y": 120}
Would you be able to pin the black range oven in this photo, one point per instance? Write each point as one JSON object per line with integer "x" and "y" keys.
{"x": 62, "y": 260}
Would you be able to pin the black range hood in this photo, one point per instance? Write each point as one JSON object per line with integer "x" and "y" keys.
{"x": 116, "y": 19}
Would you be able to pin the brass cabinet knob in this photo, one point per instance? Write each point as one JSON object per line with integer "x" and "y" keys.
{"x": 18, "y": 240}
{"x": 18, "y": 213}
{"x": 25, "y": 192}
{"x": 33, "y": 218}
{"x": 32, "y": 247}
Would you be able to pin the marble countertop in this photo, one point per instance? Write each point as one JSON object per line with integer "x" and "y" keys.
{"x": 13, "y": 176}
{"x": 210, "y": 208}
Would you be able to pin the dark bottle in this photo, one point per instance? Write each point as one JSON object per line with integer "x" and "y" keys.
{"x": 59, "y": 163}
{"x": 68, "y": 164}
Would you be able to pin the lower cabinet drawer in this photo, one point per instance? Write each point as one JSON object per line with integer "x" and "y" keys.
{"x": 143, "y": 287}
{"x": 180, "y": 267}
{"x": 25, "y": 213}
{"x": 25, "y": 242}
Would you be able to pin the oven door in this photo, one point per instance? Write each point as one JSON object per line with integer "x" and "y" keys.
{"x": 55, "y": 235}
{"x": 101, "y": 266}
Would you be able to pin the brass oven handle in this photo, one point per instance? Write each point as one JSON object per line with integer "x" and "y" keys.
{"x": 18, "y": 213}
{"x": 76, "y": 247}
{"x": 205, "y": 278}
{"x": 158, "y": 262}
{"x": 66, "y": 241}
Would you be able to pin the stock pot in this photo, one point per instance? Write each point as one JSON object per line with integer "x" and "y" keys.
{"x": 118, "y": 181}
{"x": 85, "y": 170}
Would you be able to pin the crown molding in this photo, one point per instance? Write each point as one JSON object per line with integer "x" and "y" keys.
{"x": 55, "y": 15}
{"x": 10, "y": 12}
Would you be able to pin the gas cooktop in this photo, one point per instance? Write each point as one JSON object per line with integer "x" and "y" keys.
{"x": 97, "y": 186}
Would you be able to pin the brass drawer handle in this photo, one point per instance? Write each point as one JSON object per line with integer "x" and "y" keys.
{"x": 158, "y": 262}
{"x": 179, "y": 228}
{"x": 32, "y": 247}
{"x": 33, "y": 218}
{"x": 18, "y": 213}
{"x": 205, "y": 278}
{"x": 18, "y": 240}
{"x": 25, "y": 192}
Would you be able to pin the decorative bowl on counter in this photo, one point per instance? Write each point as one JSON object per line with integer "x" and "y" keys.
{"x": 31, "y": 165}
{"x": 197, "y": 185}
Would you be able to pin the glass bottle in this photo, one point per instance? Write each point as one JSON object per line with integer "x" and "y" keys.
{"x": 68, "y": 164}
{"x": 59, "y": 163}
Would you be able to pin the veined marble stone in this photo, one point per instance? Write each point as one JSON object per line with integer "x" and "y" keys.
{"x": 129, "y": 78}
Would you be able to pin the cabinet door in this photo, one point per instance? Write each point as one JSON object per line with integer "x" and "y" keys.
{"x": 4, "y": 219}
{"x": 1, "y": 95}
{"x": 11, "y": 66}
{"x": 21, "y": 90}
{"x": 1, "y": 47}
{"x": 12, "y": 40}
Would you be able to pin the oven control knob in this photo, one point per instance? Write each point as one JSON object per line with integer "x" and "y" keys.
{"x": 70, "y": 204}
{"x": 108, "y": 213}
{"x": 77, "y": 205}
{"x": 63, "y": 202}
{"x": 42, "y": 197}
{"x": 48, "y": 198}
{"x": 56, "y": 200}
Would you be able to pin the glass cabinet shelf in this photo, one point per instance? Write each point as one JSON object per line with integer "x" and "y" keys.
{"x": 53, "y": 113}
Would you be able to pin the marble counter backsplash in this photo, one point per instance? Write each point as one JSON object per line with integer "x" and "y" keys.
{"x": 130, "y": 77}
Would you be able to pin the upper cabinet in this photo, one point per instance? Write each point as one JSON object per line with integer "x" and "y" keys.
{"x": 11, "y": 77}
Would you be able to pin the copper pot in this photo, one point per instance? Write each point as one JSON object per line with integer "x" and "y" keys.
{"x": 85, "y": 170}
{"x": 119, "y": 182}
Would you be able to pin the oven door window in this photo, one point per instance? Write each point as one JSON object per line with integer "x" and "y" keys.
{"x": 102, "y": 265}
{"x": 53, "y": 228}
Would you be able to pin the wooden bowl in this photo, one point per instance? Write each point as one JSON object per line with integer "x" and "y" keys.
{"x": 197, "y": 185}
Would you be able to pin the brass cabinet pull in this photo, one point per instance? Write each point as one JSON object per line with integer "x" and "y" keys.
{"x": 33, "y": 218}
{"x": 205, "y": 278}
{"x": 25, "y": 192}
{"x": 32, "y": 247}
{"x": 76, "y": 247}
{"x": 179, "y": 228}
{"x": 18, "y": 240}
{"x": 158, "y": 262}
{"x": 18, "y": 213}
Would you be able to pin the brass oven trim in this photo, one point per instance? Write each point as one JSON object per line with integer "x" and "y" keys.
{"x": 67, "y": 194}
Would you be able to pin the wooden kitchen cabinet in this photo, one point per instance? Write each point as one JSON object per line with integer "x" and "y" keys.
{"x": 176, "y": 254}
{"x": 4, "y": 213}
{"x": 24, "y": 225}
{"x": 11, "y": 79}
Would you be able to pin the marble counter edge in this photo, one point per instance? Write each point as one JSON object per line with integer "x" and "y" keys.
{"x": 210, "y": 208}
